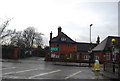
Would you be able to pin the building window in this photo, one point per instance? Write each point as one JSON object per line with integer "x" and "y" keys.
{"x": 96, "y": 57}
{"x": 57, "y": 45}
{"x": 116, "y": 50}
{"x": 86, "y": 57}
{"x": 73, "y": 56}
{"x": 63, "y": 39}
{"x": 108, "y": 56}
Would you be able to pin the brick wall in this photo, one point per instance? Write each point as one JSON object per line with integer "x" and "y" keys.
{"x": 64, "y": 49}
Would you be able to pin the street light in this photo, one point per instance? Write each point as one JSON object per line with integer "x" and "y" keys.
{"x": 90, "y": 31}
{"x": 113, "y": 53}
{"x": 90, "y": 52}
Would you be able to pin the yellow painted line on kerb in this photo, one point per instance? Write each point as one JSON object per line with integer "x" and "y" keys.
{"x": 42, "y": 74}
{"x": 72, "y": 75}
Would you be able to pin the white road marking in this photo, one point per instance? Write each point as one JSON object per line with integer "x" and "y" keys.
{"x": 19, "y": 71}
{"x": 42, "y": 74}
{"x": 8, "y": 68}
{"x": 72, "y": 75}
{"x": 8, "y": 73}
{"x": 12, "y": 77}
{"x": 93, "y": 78}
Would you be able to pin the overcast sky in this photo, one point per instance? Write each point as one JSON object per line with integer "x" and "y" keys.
{"x": 74, "y": 16}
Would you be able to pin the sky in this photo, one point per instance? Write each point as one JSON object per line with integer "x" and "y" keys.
{"x": 119, "y": 18}
{"x": 74, "y": 16}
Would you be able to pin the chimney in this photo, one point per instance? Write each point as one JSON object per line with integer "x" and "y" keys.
{"x": 51, "y": 35}
{"x": 59, "y": 30}
{"x": 98, "y": 40}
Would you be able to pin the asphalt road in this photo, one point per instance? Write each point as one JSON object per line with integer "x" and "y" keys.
{"x": 37, "y": 68}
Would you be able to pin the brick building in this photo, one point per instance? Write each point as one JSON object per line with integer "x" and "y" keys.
{"x": 109, "y": 53}
{"x": 63, "y": 47}
{"x": 104, "y": 49}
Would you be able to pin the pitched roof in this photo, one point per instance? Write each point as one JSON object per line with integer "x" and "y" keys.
{"x": 106, "y": 43}
{"x": 66, "y": 39}
{"x": 84, "y": 47}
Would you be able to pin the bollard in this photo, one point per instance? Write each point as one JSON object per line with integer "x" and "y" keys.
{"x": 96, "y": 65}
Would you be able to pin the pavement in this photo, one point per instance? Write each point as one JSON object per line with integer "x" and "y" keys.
{"x": 71, "y": 64}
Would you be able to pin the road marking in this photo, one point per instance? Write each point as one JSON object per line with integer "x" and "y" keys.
{"x": 42, "y": 74}
{"x": 72, "y": 75}
{"x": 93, "y": 78}
{"x": 19, "y": 71}
{"x": 12, "y": 77}
{"x": 8, "y": 68}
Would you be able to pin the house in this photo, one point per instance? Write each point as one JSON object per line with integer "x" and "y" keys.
{"x": 63, "y": 47}
{"x": 103, "y": 51}
{"x": 83, "y": 50}
{"x": 108, "y": 52}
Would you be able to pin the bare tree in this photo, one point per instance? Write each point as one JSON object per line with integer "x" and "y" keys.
{"x": 31, "y": 37}
{"x": 28, "y": 36}
{"x": 17, "y": 40}
{"x": 38, "y": 39}
{"x": 4, "y": 32}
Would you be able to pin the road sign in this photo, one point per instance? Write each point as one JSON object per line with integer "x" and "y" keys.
{"x": 54, "y": 49}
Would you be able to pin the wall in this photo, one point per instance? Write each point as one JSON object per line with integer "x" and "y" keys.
{"x": 64, "y": 49}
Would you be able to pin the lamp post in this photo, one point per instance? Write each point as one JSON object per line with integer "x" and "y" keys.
{"x": 90, "y": 31}
{"x": 113, "y": 54}
{"x": 90, "y": 52}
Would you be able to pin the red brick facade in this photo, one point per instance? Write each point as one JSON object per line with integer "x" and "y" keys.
{"x": 64, "y": 50}
{"x": 63, "y": 47}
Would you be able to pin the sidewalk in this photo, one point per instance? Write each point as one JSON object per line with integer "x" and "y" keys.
{"x": 109, "y": 75}
{"x": 10, "y": 60}
{"x": 71, "y": 64}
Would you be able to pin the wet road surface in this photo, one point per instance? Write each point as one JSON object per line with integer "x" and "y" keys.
{"x": 37, "y": 68}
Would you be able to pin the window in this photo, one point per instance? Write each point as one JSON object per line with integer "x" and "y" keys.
{"x": 86, "y": 57}
{"x": 96, "y": 57}
{"x": 108, "y": 56}
{"x": 58, "y": 45}
{"x": 73, "y": 56}
{"x": 63, "y": 39}
{"x": 116, "y": 50}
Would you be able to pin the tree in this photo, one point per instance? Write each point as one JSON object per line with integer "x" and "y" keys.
{"x": 5, "y": 33}
{"x": 38, "y": 40}
{"x": 27, "y": 38}
{"x": 17, "y": 40}
{"x": 31, "y": 37}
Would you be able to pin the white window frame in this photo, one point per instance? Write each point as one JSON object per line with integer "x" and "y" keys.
{"x": 86, "y": 57}
{"x": 108, "y": 56}
{"x": 96, "y": 57}
{"x": 63, "y": 39}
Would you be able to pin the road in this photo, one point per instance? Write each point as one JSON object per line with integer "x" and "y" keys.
{"x": 37, "y": 68}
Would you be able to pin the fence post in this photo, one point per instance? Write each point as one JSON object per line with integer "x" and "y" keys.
{"x": 104, "y": 66}
{"x": 119, "y": 71}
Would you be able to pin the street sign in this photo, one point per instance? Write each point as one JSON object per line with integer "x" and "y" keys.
{"x": 54, "y": 49}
